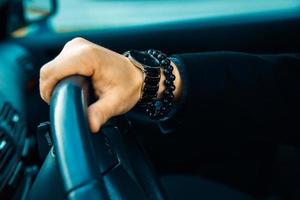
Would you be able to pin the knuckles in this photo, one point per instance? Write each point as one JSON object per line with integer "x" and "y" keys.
{"x": 79, "y": 40}
{"x": 80, "y": 47}
{"x": 44, "y": 71}
{"x": 76, "y": 41}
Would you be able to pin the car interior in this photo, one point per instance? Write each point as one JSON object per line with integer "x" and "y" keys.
{"x": 48, "y": 152}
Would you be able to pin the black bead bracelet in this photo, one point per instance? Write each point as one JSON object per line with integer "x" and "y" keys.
{"x": 152, "y": 63}
{"x": 159, "y": 108}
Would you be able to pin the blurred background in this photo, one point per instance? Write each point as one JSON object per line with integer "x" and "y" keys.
{"x": 94, "y": 14}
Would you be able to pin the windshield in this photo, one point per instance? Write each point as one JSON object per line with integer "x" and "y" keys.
{"x": 96, "y": 14}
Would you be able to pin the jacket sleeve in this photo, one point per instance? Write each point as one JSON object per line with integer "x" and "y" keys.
{"x": 238, "y": 95}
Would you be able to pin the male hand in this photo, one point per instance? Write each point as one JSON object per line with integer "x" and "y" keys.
{"x": 117, "y": 82}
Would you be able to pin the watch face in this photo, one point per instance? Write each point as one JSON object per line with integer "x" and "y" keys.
{"x": 145, "y": 58}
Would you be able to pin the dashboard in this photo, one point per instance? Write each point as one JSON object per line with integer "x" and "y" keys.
{"x": 14, "y": 144}
{"x": 15, "y": 66}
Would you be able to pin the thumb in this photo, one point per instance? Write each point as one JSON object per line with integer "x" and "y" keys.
{"x": 98, "y": 113}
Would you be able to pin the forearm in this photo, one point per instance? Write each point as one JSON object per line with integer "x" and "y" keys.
{"x": 240, "y": 93}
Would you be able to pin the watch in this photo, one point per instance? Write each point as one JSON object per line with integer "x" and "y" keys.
{"x": 151, "y": 67}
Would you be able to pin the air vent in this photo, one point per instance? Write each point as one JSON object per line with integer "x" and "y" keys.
{"x": 7, "y": 157}
{"x": 12, "y": 136}
{"x": 5, "y": 112}
{"x": 10, "y": 119}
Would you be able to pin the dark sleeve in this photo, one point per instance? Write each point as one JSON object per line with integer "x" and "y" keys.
{"x": 240, "y": 95}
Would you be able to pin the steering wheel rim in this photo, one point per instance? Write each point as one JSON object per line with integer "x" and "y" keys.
{"x": 73, "y": 149}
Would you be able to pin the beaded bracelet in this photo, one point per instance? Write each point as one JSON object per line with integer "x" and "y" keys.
{"x": 159, "y": 108}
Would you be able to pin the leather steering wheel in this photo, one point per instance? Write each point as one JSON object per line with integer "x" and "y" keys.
{"x": 78, "y": 157}
{"x": 72, "y": 145}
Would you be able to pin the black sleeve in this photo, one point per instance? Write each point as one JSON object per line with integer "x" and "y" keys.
{"x": 240, "y": 95}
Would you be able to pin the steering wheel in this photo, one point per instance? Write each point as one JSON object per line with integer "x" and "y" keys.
{"x": 80, "y": 164}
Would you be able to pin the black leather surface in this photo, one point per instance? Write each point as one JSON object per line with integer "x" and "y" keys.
{"x": 70, "y": 134}
{"x": 187, "y": 187}
{"x": 48, "y": 184}
{"x": 109, "y": 165}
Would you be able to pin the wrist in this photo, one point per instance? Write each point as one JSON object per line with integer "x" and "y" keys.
{"x": 160, "y": 84}
{"x": 138, "y": 79}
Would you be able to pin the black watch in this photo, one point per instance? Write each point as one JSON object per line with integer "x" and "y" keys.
{"x": 151, "y": 67}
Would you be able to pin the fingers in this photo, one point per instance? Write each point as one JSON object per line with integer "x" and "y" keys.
{"x": 75, "y": 58}
{"x": 47, "y": 81}
{"x": 99, "y": 112}
{"x": 115, "y": 79}
{"x": 58, "y": 69}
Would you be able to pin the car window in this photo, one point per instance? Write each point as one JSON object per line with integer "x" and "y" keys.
{"x": 94, "y": 14}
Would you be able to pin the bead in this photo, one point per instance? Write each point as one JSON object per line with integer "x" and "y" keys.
{"x": 150, "y": 90}
{"x": 167, "y": 83}
{"x": 167, "y": 72}
{"x": 155, "y": 115}
{"x": 165, "y": 101}
{"x": 165, "y": 62}
{"x": 170, "y": 68}
{"x": 159, "y": 52}
{"x": 171, "y": 96}
{"x": 150, "y": 107}
{"x": 155, "y": 53}
{"x": 151, "y": 114}
{"x": 158, "y": 105}
{"x": 171, "y": 77}
{"x": 153, "y": 81}
{"x": 151, "y": 51}
{"x": 172, "y": 87}
{"x": 163, "y": 108}
{"x": 167, "y": 92}
{"x": 153, "y": 74}
{"x": 161, "y": 57}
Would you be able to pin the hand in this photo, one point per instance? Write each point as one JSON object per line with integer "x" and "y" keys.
{"x": 117, "y": 82}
